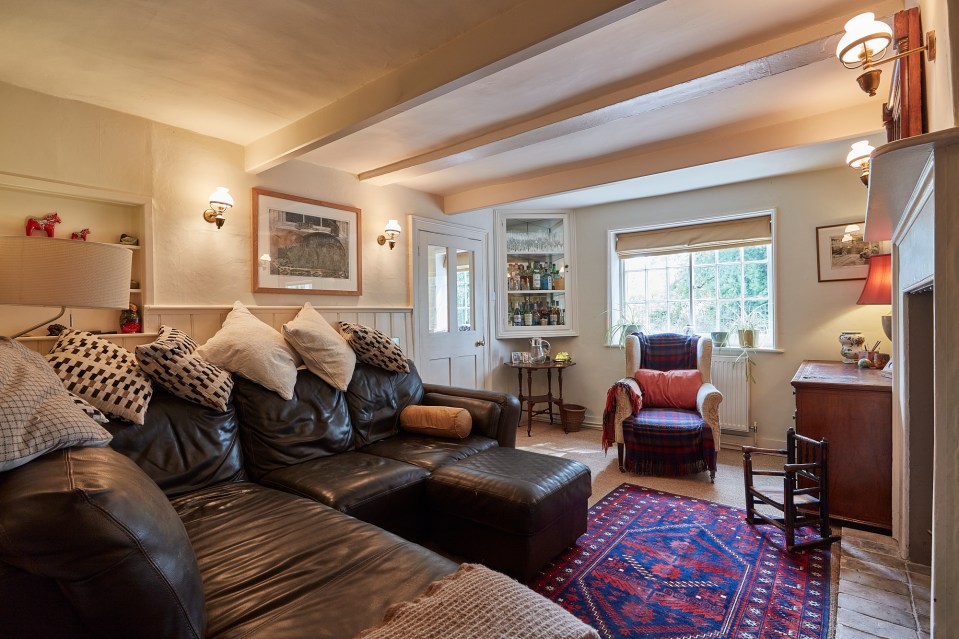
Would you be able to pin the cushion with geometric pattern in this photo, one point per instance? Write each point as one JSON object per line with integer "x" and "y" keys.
{"x": 170, "y": 362}
{"x": 37, "y": 415}
{"x": 102, "y": 373}
{"x": 374, "y": 347}
{"x": 89, "y": 410}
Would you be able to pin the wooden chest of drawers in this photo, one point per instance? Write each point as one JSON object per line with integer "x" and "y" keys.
{"x": 852, "y": 408}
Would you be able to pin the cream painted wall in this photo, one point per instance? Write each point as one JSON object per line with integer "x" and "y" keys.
{"x": 811, "y": 314}
{"x": 942, "y": 74}
{"x": 64, "y": 141}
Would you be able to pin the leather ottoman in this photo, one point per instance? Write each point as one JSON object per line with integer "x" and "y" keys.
{"x": 509, "y": 509}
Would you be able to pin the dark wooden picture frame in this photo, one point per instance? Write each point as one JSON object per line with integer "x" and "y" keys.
{"x": 837, "y": 261}
{"x": 302, "y": 245}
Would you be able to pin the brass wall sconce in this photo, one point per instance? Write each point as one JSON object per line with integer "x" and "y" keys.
{"x": 858, "y": 158}
{"x": 390, "y": 232}
{"x": 220, "y": 201}
{"x": 864, "y": 46}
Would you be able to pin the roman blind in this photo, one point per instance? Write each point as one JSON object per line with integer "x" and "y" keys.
{"x": 706, "y": 236}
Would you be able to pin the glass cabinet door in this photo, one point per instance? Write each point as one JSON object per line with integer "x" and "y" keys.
{"x": 534, "y": 288}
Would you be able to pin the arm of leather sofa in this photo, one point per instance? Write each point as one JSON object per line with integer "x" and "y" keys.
{"x": 494, "y": 414}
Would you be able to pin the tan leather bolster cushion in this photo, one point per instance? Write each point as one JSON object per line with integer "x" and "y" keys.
{"x": 438, "y": 421}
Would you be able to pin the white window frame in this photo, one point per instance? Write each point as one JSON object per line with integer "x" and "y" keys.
{"x": 614, "y": 291}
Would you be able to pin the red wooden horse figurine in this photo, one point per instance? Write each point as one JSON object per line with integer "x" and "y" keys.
{"x": 82, "y": 235}
{"x": 47, "y": 223}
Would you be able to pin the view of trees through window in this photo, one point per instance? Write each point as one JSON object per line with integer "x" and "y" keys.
{"x": 719, "y": 290}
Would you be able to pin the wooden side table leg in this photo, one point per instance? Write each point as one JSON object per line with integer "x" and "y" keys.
{"x": 559, "y": 400}
{"x": 529, "y": 403}
{"x": 549, "y": 393}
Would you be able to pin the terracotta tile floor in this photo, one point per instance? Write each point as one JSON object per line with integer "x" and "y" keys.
{"x": 880, "y": 595}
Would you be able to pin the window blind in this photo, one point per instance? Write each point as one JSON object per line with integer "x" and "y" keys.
{"x": 708, "y": 236}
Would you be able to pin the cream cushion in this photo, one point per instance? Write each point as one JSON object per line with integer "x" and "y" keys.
{"x": 250, "y": 347}
{"x": 324, "y": 351}
{"x": 438, "y": 421}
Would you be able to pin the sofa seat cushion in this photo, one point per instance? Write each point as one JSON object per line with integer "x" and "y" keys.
{"x": 428, "y": 452}
{"x": 278, "y": 566}
{"x": 382, "y": 491}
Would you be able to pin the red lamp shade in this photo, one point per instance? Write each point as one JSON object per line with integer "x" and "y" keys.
{"x": 878, "y": 288}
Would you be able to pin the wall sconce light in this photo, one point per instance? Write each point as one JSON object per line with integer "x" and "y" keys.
{"x": 390, "y": 231}
{"x": 858, "y": 158}
{"x": 864, "y": 46}
{"x": 220, "y": 201}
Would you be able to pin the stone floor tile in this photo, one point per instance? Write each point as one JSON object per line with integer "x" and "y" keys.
{"x": 878, "y": 546}
{"x": 922, "y": 581}
{"x": 924, "y": 635}
{"x": 924, "y": 623}
{"x": 884, "y": 597}
{"x": 921, "y": 604}
{"x": 872, "y": 625}
{"x": 919, "y": 569}
{"x": 851, "y": 563}
{"x": 855, "y": 533}
{"x": 896, "y": 615}
{"x": 874, "y": 581}
{"x": 845, "y": 632}
{"x": 869, "y": 555}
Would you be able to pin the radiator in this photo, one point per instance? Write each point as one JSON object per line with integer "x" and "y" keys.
{"x": 729, "y": 376}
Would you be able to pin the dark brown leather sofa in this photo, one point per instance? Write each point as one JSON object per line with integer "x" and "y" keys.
{"x": 254, "y": 522}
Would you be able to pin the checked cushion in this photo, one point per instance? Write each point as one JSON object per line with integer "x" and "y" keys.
{"x": 374, "y": 347}
{"x": 171, "y": 362}
{"x": 102, "y": 373}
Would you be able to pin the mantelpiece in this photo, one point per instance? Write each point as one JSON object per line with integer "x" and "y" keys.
{"x": 914, "y": 200}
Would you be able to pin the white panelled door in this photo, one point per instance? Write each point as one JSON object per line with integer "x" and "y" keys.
{"x": 450, "y": 303}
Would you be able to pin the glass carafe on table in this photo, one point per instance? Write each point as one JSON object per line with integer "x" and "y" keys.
{"x": 538, "y": 350}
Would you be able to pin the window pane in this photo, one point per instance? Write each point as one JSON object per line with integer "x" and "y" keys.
{"x": 730, "y": 255}
{"x": 658, "y": 318}
{"x": 655, "y": 261}
{"x": 729, "y": 314}
{"x": 679, "y": 283}
{"x": 635, "y": 287}
{"x": 756, "y": 280}
{"x": 758, "y": 313}
{"x": 704, "y": 283}
{"x": 705, "y": 317}
{"x": 704, "y": 257}
{"x": 438, "y": 303}
{"x": 678, "y": 316}
{"x": 678, "y": 259}
{"x": 755, "y": 252}
{"x": 464, "y": 289}
{"x": 656, "y": 281}
{"x": 730, "y": 281}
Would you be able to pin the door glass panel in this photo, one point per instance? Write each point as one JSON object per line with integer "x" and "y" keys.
{"x": 437, "y": 283}
{"x": 464, "y": 290}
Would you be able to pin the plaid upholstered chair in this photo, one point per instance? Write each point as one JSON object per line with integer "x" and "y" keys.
{"x": 665, "y": 440}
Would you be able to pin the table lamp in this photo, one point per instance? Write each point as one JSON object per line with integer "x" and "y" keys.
{"x": 41, "y": 271}
{"x": 878, "y": 290}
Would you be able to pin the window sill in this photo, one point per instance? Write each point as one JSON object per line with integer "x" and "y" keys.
{"x": 735, "y": 350}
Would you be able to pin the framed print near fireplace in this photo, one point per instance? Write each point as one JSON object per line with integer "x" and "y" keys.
{"x": 302, "y": 245}
{"x": 842, "y": 252}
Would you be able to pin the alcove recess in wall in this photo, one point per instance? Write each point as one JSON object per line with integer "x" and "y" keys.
{"x": 107, "y": 214}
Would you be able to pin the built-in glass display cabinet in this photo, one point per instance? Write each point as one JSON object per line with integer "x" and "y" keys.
{"x": 535, "y": 287}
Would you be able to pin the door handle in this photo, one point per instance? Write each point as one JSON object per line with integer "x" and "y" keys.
{"x": 481, "y": 342}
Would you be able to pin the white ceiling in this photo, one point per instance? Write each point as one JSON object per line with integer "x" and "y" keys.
{"x": 482, "y": 103}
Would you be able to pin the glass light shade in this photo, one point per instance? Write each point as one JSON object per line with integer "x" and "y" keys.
{"x": 221, "y": 197}
{"x": 851, "y": 228}
{"x": 846, "y": 238}
{"x": 865, "y": 39}
{"x": 392, "y": 228}
{"x": 878, "y": 288}
{"x": 859, "y": 154}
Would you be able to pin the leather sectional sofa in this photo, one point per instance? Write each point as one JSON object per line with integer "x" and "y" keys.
{"x": 279, "y": 519}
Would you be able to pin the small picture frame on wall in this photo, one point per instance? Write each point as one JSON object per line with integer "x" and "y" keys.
{"x": 842, "y": 252}
{"x": 301, "y": 245}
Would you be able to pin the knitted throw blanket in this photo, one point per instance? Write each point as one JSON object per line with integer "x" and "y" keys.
{"x": 624, "y": 399}
{"x": 478, "y": 603}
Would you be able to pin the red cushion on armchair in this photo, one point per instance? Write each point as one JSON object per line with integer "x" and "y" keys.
{"x": 669, "y": 389}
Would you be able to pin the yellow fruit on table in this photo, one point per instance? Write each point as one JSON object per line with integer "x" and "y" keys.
{"x": 562, "y": 357}
{"x": 865, "y": 363}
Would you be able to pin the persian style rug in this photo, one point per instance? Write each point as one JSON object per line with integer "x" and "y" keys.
{"x": 661, "y": 566}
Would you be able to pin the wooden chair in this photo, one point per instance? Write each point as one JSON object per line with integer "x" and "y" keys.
{"x": 804, "y": 496}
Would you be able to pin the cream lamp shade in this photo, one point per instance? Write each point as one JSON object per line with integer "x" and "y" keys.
{"x": 865, "y": 39}
{"x": 42, "y": 271}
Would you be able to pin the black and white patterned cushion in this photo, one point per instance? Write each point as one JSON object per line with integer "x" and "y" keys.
{"x": 374, "y": 347}
{"x": 103, "y": 374}
{"x": 89, "y": 410}
{"x": 171, "y": 362}
{"x": 37, "y": 415}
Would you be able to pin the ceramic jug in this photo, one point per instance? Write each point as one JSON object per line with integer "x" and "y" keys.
{"x": 538, "y": 350}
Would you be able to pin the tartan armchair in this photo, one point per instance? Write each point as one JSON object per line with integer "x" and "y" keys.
{"x": 664, "y": 441}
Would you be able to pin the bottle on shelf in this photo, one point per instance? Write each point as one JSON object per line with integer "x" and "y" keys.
{"x": 537, "y": 277}
{"x": 547, "y": 278}
{"x": 527, "y": 313}
{"x": 517, "y": 315}
{"x": 553, "y": 313}
{"x": 524, "y": 278}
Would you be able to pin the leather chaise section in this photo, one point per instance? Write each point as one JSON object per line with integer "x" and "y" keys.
{"x": 428, "y": 452}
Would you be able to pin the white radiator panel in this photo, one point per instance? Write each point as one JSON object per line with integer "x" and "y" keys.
{"x": 729, "y": 376}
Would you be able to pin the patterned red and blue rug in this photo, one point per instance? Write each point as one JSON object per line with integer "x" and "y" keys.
{"x": 661, "y": 566}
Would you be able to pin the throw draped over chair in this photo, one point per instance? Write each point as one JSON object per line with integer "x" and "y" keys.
{"x": 664, "y": 441}
{"x": 803, "y": 497}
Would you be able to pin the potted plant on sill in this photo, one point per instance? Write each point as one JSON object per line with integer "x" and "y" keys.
{"x": 622, "y": 327}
